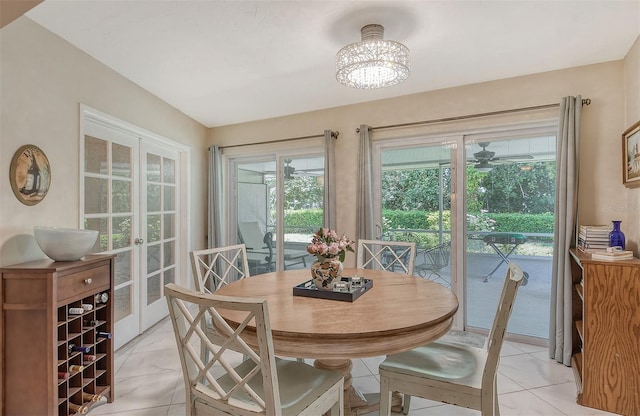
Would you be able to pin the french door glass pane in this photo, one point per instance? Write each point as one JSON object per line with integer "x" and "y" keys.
{"x": 153, "y": 167}
{"x": 123, "y": 270}
{"x": 168, "y": 170}
{"x": 96, "y": 196}
{"x": 121, "y": 160}
{"x": 121, "y": 196}
{"x": 416, "y": 205}
{"x": 153, "y": 228}
{"x": 510, "y": 199}
{"x": 95, "y": 155}
{"x": 123, "y": 302}
{"x": 153, "y": 288}
{"x": 153, "y": 197}
{"x": 121, "y": 232}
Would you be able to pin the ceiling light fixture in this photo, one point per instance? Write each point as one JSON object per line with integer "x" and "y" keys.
{"x": 372, "y": 62}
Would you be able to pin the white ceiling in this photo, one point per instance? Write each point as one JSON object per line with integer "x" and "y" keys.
{"x": 226, "y": 62}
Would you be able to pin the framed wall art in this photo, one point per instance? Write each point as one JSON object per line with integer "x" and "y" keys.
{"x": 631, "y": 156}
{"x": 30, "y": 174}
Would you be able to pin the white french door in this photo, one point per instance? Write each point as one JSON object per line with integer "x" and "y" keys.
{"x": 130, "y": 187}
{"x": 158, "y": 224}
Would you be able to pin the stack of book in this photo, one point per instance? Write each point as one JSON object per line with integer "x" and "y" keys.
{"x": 593, "y": 238}
{"x": 612, "y": 255}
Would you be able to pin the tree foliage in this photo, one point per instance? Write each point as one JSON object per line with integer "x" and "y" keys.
{"x": 506, "y": 188}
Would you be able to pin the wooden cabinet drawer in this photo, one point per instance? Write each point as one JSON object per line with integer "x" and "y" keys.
{"x": 87, "y": 282}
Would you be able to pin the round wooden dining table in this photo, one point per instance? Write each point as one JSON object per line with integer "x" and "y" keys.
{"x": 398, "y": 313}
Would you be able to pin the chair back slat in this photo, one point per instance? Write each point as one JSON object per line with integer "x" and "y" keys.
{"x": 397, "y": 256}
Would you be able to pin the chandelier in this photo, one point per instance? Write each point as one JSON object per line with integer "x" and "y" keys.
{"x": 372, "y": 62}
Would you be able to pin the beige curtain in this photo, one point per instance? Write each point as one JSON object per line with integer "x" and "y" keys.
{"x": 214, "y": 226}
{"x": 330, "y": 179}
{"x": 365, "y": 221}
{"x": 567, "y": 164}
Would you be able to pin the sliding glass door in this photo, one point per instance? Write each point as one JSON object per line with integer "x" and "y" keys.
{"x": 502, "y": 211}
{"x": 278, "y": 205}
{"x": 510, "y": 200}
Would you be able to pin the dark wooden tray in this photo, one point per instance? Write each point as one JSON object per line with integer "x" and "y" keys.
{"x": 308, "y": 289}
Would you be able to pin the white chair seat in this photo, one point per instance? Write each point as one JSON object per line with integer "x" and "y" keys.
{"x": 299, "y": 384}
{"x": 441, "y": 362}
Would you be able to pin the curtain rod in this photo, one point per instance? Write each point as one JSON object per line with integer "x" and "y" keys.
{"x": 334, "y": 134}
{"x": 585, "y": 101}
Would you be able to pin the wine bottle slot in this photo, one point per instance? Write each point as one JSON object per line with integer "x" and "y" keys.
{"x": 88, "y": 397}
{"x": 93, "y": 322}
{"x": 79, "y": 409}
{"x": 76, "y": 311}
{"x": 63, "y": 375}
{"x": 75, "y": 368}
{"x": 87, "y": 306}
{"x": 79, "y": 348}
{"x": 101, "y": 334}
{"x": 89, "y": 357}
{"x": 102, "y": 297}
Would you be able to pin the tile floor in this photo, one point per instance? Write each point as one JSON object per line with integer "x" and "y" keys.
{"x": 149, "y": 382}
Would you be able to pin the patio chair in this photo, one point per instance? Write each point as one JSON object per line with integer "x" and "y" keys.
{"x": 261, "y": 385}
{"x": 386, "y": 255}
{"x": 432, "y": 260}
{"x": 260, "y": 248}
{"x": 451, "y": 372}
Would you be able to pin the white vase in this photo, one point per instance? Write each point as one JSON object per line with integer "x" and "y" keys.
{"x": 325, "y": 273}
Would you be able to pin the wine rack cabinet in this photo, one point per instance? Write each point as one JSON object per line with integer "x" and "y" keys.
{"x": 55, "y": 333}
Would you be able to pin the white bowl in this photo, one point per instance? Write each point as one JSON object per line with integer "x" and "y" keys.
{"x": 65, "y": 244}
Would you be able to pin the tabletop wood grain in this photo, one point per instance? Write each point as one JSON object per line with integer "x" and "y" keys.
{"x": 399, "y": 313}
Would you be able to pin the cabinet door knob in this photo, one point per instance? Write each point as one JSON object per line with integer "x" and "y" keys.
{"x": 88, "y": 281}
{"x": 138, "y": 241}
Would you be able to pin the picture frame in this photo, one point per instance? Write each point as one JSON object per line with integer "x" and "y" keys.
{"x": 30, "y": 174}
{"x": 631, "y": 156}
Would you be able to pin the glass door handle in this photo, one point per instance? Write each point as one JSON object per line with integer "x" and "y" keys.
{"x": 138, "y": 241}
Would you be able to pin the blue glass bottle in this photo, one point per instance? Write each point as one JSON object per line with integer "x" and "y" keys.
{"x": 616, "y": 237}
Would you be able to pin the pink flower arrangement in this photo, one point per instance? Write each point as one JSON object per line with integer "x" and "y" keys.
{"x": 327, "y": 245}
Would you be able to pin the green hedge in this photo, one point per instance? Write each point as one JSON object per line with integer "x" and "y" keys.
{"x": 304, "y": 218}
{"x": 422, "y": 220}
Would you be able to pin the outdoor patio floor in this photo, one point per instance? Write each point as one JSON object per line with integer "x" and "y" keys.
{"x": 530, "y": 316}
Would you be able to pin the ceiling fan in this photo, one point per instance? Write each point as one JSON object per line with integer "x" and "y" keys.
{"x": 485, "y": 159}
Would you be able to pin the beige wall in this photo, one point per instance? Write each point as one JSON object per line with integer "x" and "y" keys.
{"x": 602, "y": 197}
{"x": 44, "y": 79}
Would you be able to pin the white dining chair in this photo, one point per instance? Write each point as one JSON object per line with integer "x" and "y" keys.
{"x": 397, "y": 256}
{"x": 261, "y": 385}
{"x": 452, "y": 372}
{"x": 216, "y": 267}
